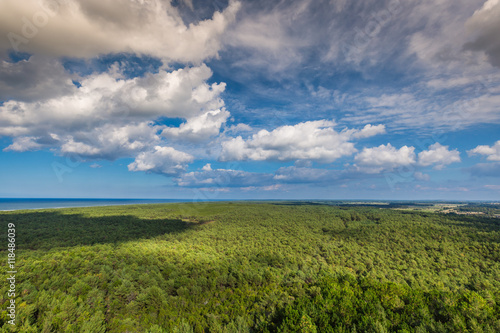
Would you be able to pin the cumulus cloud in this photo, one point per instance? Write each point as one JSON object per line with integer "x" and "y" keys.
{"x": 311, "y": 140}
{"x": 24, "y": 143}
{"x": 102, "y": 97}
{"x": 387, "y": 158}
{"x": 384, "y": 158}
{"x": 492, "y": 153}
{"x": 369, "y": 131}
{"x": 438, "y": 155}
{"x": 199, "y": 128}
{"x": 109, "y": 116}
{"x": 110, "y": 141}
{"x": 75, "y": 28}
{"x": 162, "y": 160}
{"x": 483, "y": 29}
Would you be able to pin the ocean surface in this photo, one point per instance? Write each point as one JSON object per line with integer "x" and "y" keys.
{"x": 17, "y": 204}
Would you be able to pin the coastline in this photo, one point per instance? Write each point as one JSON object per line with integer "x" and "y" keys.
{"x": 10, "y": 205}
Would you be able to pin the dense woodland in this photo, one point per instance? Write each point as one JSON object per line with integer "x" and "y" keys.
{"x": 253, "y": 267}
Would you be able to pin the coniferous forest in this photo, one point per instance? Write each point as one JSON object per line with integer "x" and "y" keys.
{"x": 253, "y": 267}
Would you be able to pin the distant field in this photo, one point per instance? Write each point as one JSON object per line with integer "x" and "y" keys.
{"x": 487, "y": 210}
{"x": 433, "y": 207}
{"x": 253, "y": 267}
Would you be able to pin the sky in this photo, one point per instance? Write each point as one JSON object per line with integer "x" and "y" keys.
{"x": 250, "y": 99}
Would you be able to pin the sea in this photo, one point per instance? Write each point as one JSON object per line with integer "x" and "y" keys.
{"x": 8, "y": 204}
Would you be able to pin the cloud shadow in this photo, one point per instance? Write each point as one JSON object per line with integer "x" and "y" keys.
{"x": 47, "y": 230}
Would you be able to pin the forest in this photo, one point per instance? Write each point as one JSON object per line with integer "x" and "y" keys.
{"x": 252, "y": 267}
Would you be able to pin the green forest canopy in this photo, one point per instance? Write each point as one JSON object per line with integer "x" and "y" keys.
{"x": 253, "y": 267}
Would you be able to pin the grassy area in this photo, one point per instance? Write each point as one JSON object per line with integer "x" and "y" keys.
{"x": 253, "y": 267}
{"x": 434, "y": 207}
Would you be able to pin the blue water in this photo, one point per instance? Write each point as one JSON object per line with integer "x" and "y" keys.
{"x": 17, "y": 204}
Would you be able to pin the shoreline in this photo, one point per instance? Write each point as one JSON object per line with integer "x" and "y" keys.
{"x": 129, "y": 203}
{"x": 33, "y": 204}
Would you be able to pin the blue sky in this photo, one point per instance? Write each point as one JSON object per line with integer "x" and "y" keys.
{"x": 250, "y": 99}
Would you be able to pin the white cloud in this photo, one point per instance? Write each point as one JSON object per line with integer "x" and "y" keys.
{"x": 24, "y": 143}
{"x": 111, "y": 117}
{"x": 384, "y": 158}
{"x": 439, "y": 155}
{"x": 199, "y": 128}
{"x": 369, "y": 131}
{"x": 105, "y": 142}
{"x": 182, "y": 93}
{"x": 110, "y": 141}
{"x": 75, "y": 28}
{"x": 80, "y": 148}
{"x": 162, "y": 160}
{"x": 311, "y": 140}
{"x": 492, "y": 152}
